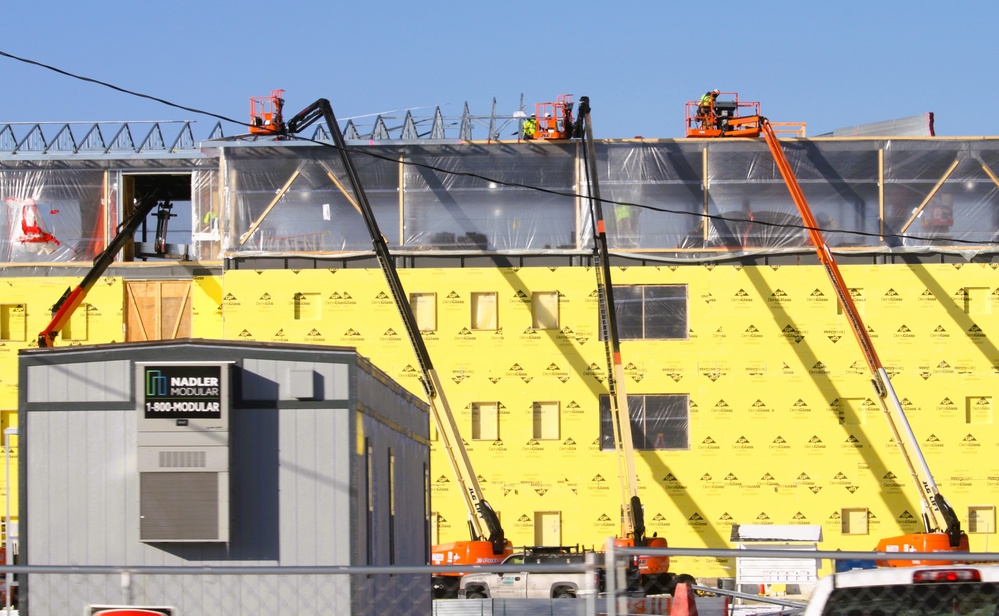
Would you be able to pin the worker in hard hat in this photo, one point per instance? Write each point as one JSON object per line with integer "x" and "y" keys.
{"x": 706, "y": 109}
{"x": 550, "y": 125}
{"x": 531, "y": 126}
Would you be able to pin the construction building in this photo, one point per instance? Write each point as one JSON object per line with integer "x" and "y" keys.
{"x": 244, "y": 454}
{"x": 749, "y": 402}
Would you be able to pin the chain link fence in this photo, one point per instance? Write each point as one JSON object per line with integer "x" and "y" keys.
{"x": 406, "y": 590}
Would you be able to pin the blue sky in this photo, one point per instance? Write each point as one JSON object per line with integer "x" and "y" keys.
{"x": 828, "y": 64}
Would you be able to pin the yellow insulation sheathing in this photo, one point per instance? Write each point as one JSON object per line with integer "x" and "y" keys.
{"x": 783, "y": 424}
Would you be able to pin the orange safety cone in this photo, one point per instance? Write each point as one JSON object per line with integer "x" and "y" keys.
{"x": 683, "y": 601}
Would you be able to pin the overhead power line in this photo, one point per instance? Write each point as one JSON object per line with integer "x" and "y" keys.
{"x": 478, "y": 176}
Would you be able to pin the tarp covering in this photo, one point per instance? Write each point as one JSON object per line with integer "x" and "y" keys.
{"x": 424, "y": 198}
{"x": 678, "y": 199}
{"x": 669, "y": 199}
{"x": 51, "y": 215}
{"x": 913, "y": 126}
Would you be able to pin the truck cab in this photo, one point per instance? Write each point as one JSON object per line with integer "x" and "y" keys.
{"x": 535, "y": 582}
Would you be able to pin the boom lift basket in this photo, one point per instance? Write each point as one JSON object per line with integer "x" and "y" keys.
{"x": 555, "y": 120}
{"x": 265, "y": 113}
{"x": 723, "y": 118}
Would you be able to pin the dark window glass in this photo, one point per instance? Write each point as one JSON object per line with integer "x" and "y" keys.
{"x": 658, "y": 422}
{"x": 651, "y": 312}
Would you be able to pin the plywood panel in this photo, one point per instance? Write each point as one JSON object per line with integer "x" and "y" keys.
{"x": 157, "y": 310}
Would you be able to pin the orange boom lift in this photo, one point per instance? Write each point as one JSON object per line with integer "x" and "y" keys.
{"x": 555, "y": 119}
{"x": 936, "y": 537}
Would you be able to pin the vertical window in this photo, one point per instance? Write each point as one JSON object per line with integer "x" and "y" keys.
{"x": 307, "y": 307}
{"x": 76, "y": 327}
{"x": 485, "y": 311}
{"x": 424, "y": 307}
{"x": 547, "y": 528}
{"x": 978, "y": 410}
{"x": 657, "y": 422}
{"x": 977, "y": 301}
{"x": 12, "y": 322}
{"x": 651, "y": 312}
{"x": 485, "y": 421}
{"x": 546, "y": 420}
{"x": 435, "y": 522}
{"x": 982, "y": 519}
{"x": 854, "y": 520}
{"x": 544, "y": 310}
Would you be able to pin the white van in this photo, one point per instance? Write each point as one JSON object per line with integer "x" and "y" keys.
{"x": 969, "y": 590}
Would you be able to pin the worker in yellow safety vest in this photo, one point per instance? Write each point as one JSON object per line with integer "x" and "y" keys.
{"x": 706, "y": 109}
{"x": 626, "y": 224}
{"x": 530, "y": 126}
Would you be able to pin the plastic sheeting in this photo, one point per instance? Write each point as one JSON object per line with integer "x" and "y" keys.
{"x": 680, "y": 199}
{"x": 51, "y": 215}
{"x": 424, "y": 198}
{"x": 670, "y": 199}
{"x": 913, "y": 126}
{"x": 206, "y": 211}
{"x": 68, "y": 211}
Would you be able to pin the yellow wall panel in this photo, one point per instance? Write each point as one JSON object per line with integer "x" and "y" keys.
{"x": 783, "y": 426}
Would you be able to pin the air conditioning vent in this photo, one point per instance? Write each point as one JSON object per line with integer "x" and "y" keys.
{"x": 182, "y": 459}
{"x": 181, "y": 506}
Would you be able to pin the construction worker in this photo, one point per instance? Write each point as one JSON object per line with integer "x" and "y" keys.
{"x": 706, "y": 109}
{"x": 531, "y": 126}
{"x": 626, "y": 224}
{"x": 550, "y": 125}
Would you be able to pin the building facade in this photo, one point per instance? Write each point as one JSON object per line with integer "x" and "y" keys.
{"x": 750, "y": 401}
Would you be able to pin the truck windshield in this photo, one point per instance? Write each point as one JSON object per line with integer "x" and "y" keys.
{"x": 966, "y": 598}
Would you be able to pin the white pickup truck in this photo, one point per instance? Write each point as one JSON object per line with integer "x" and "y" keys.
{"x": 917, "y": 591}
{"x": 535, "y": 583}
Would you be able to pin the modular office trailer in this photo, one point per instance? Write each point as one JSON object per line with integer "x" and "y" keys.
{"x": 219, "y": 454}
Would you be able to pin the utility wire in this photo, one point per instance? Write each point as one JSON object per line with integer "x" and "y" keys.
{"x": 653, "y": 208}
{"x": 571, "y": 194}
{"x": 117, "y": 88}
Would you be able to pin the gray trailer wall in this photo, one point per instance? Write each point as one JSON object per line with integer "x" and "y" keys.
{"x": 298, "y": 480}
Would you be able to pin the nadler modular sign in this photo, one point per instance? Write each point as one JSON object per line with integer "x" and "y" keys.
{"x": 183, "y": 392}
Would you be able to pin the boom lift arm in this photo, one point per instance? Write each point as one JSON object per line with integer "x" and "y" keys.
{"x": 633, "y": 522}
{"x": 63, "y": 309}
{"x": 654, "y": 570}
{"x": 933, "y": 501}
{"x": 484, "y": 524}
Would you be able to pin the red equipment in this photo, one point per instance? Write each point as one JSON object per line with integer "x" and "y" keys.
{"x": 28, "y": 228}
